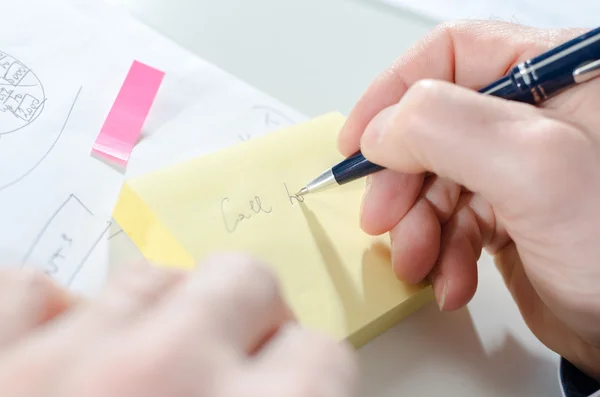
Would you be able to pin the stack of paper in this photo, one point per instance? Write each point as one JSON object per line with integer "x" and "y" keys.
{"x": 338, "y": 279}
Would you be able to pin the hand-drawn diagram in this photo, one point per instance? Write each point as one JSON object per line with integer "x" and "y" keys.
{"x": 66, "y": 240}
{"x": 22, "y": 95}
{"x": 22, "y": 150}
{"x": 116, "y": 233}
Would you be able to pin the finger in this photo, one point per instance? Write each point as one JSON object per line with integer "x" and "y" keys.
{"x": 443, "y": 194}
{"x": 129, "y": 295}
{"x": 416, "y": 238}
{"x": 454, "y": 277}
{"x": 208, "y": 321}
{"x": 472, "y": 227}
{"x": 388, "y": 197}
{"x": 494, "y": 236}
{"x": 471, "y": 54}
{"x": 133, "y": 291}
{"x": 415, "y": 243}
{"x": 457, "y": 134}
{"x": 232, "y": 299}
{"x": 29, "y": 299}
{"x": 92, "y": 329}
{"x": 298, "y": 363}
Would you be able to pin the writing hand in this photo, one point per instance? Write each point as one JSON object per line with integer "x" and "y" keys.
{"x": 468, "y": 171}
{"x": 221, "y": 331}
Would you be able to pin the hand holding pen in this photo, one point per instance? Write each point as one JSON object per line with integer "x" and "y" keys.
{"x": 532, "y": 81}
{"x": 521, "y": 181}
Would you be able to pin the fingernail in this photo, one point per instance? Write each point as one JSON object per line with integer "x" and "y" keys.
{"x": 374, "y": 133}
{"x": 442, "y": 296}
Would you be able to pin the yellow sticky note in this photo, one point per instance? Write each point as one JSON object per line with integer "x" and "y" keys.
{"x": 338, "y": 279}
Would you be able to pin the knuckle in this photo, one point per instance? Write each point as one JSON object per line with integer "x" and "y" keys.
{"x": 422, "y": 90}
{"x": 443, "y": 194}
{"x": 449, "y": 31}
{"x": 413, "y": 112}
{"x": 472, "y": 28}
{"x": 449, "y": 27}
{"x": 424, "y": 95}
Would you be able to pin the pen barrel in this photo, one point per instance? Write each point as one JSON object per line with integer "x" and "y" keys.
{"x": 541, "y": 77}
{"x": 509, "y": 88}
{"x": 354, "y": 167}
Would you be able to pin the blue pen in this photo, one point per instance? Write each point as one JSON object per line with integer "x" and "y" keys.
{"x": 532, "y": 81}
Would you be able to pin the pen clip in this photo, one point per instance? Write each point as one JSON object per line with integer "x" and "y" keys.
{"x": 587, "y": 72}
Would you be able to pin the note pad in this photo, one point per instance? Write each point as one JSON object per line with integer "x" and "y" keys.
{"x": 338, "y": 279}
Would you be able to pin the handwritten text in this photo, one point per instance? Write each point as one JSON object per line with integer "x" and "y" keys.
{"x": 255, "y": 206}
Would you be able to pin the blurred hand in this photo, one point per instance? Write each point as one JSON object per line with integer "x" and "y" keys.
{"x": 221, "y": 331}
{"x": 468, "y": 171}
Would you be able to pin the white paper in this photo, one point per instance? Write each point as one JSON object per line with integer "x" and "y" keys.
{"x": 62, "y": 63}
{"x": 537, "y": 13}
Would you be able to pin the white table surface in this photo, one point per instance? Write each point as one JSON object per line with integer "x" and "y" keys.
{"x": 319, "y": 56}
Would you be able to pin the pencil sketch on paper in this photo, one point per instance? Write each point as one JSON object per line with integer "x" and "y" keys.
{"x": 22, "y": 95}
{"x": 22, "y": 151}
{"x": 61, "y": 248}
{"x": 116, "y": 233}
{"x": 244, "y": 137}
{"x": 273, "y": 117}
{"x": 258, "y": 119}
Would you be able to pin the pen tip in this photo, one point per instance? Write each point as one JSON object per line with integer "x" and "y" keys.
{"x": 302, "y": 192}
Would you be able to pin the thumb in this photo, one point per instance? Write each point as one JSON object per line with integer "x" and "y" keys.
{"x": 455, "y": 133}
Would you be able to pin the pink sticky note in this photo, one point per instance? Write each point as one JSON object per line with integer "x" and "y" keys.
{"x": 123, "y": 126}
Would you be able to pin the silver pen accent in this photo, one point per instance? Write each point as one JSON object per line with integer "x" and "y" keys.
{"x": 323, "y": 181}
{"x": 587, "y": 72}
